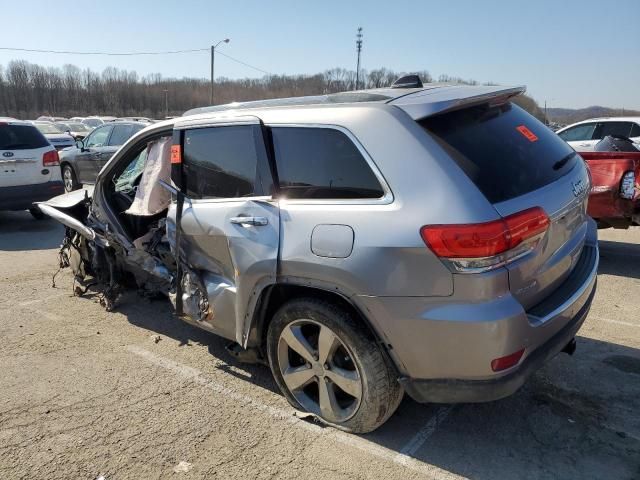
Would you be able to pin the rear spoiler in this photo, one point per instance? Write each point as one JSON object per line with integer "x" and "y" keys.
{"x": 427, "y": 103}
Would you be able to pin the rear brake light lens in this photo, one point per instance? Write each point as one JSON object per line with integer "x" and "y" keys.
{"x": 627, "y": 185}
{"x": 508, "y": 361}
{"x": 489, "y": 242}
{"x": 50, "y": 159}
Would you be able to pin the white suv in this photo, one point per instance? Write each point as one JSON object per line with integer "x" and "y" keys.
{"x": 583, "y": 136}
{"x": 29, "y": 167}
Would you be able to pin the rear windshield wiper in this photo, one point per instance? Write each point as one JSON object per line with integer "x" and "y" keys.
{"x": 562, "y": 162}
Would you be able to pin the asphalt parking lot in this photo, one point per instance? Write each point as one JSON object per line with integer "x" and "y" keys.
{"x": 138, "y": 394}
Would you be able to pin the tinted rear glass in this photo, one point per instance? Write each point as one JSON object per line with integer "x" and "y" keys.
{"x": 121, "y": 134}
{"x": 617, "y": 129}
{"x": 505, "y": 151}
{"x": 21, "y": 137}
{"x": 223, "y": 162}
{"x": 322, "y": 163}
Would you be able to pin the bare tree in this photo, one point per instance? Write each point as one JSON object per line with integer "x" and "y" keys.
{"x": 29, "y": 90}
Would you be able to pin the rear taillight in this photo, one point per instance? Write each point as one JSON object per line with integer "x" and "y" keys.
{"x": 50, "y": 159}
{"x": 483, "y": 246}
{"x": 628, "y": 185}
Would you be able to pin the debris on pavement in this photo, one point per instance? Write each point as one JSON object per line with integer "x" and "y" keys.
{"x": 182, "y": 467}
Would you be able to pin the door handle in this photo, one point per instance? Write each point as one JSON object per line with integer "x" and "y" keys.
{"x": 254, "y": 221}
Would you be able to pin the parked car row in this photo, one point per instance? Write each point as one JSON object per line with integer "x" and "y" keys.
{"x": 38, "y": 160}
{"x": 93, "y": 121}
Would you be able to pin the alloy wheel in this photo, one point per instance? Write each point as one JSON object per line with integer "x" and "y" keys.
{"x": 67, "y": 177}
{"x": 319, "y": 370}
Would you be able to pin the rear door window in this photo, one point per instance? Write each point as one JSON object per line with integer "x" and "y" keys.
{"x": 21, "y": 137}
{"x": 578, "y": 133}
{"x": 616, "y": 129}
{"x": 120, "y": 135}
{"x": 225, "y": 162}
{"x": 505, "y": 151}
{"x": 321, "y": 163}
{"x": 635, "y": 130}
{"x": 98, "y": 137}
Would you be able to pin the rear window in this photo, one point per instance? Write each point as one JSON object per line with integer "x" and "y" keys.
{"x": 505, "y": 151}
{"x": 21, "y": 137}
{"x": 321, "y": 163}
{"x": 48, "y": 128}
{"x": 617, "y": 129}
{"x": 224, "y": 162}
{"x": 122, "y": 133}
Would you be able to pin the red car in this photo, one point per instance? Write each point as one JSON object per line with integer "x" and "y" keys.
{"x": 615, "y": 193}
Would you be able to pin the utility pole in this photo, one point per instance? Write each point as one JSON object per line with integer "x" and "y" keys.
{"x": 166, "y": 103}
{"x": 358, "y": 49}
{"x": 546, "y": 119}
{"x": 213, "y": 54}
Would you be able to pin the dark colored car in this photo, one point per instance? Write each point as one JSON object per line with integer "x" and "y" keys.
{"x": 81, "y": 164}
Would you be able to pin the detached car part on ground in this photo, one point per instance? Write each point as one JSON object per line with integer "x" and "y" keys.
{"x": 433, "y": 240}
{"x": 614, "y": 200}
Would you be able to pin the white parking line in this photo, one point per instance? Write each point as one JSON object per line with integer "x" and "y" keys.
{"x": 403, "y": 458}
{"x": 616, "y": 322}
{"x": 413, "y": 445}
{"x": 40, "y": 300}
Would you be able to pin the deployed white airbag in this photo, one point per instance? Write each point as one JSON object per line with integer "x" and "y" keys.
{"x": 151, "y": 197}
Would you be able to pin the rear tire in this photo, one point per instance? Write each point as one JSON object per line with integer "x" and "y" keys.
{"x": 69, "y": 178}
{"x": 37, "y": 213}
{"x": 341, "y": 374}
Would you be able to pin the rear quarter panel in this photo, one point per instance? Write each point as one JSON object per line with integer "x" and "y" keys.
{"x": 389, "y": 258}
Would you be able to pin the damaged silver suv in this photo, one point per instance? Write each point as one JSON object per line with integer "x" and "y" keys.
{"x": 430, "y": 240}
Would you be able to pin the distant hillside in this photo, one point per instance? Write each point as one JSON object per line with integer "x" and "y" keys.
{"x": 566, "y": 116}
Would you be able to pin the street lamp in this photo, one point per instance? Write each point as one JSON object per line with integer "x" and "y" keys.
{"x": 213, "y": 53}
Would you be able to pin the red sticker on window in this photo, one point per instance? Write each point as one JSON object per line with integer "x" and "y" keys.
{"x": 176, "y": 154}
{"x": 528, "y": 134}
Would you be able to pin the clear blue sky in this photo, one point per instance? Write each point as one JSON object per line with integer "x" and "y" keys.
{"x": 573, "y": 53}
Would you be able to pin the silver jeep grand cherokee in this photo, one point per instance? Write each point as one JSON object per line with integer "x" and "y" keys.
{"x": 426, "y": 240}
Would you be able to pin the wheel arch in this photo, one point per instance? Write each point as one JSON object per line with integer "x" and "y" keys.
{"x": 70, "y": 164}
{"x": 273, "y": 296}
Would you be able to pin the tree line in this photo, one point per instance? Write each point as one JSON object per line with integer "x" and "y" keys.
{"x": 28, "y": 90}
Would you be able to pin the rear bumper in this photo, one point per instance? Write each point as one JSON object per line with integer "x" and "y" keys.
{"x": 22, "y": 197}
{"x": 443, "y": 348}
{"x": 471, "y": 391}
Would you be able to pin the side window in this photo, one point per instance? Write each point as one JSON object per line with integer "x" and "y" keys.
{"x": 321, "y": 163}
{"x": 578, "y": 133}
{"x": 621, "y": 129}
{"x": 635, "y": 131}
{"x": 98, "y": 137}
{"x": 225, "y": 162}
{"x": 120, "y": 135}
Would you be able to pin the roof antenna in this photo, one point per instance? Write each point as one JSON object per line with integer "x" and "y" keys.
{"x": 408, "y": 81}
